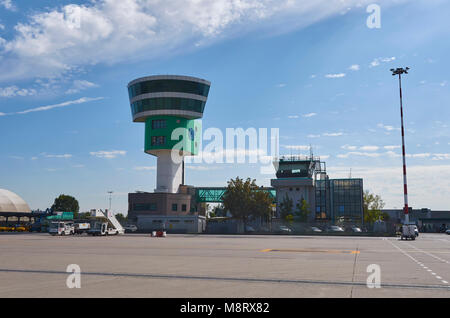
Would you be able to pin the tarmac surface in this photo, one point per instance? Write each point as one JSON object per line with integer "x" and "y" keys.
{"x": 192, "y": 266}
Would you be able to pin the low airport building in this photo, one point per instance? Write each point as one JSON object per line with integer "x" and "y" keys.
{"x": 13, "y": 208}
{"x": 328, "y": 200}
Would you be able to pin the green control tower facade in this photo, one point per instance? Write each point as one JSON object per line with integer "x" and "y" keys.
{"x": 169, "y": 106}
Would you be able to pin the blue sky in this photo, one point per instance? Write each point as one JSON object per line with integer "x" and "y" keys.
{"x": 315, "y": 71}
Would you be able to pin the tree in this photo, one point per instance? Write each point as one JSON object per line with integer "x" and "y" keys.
{"x": 121, "y": 218}
{"x": 244, "y": 199}
{"x": 373, "y": 204}
{"x": 66, "y": 203}
{"x": 261, "y": 204}
{"x": 286, "y": 207}
{"x": 302, "y": 210}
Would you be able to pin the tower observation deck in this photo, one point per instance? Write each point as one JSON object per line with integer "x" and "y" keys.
{"x": 169, "y": 106}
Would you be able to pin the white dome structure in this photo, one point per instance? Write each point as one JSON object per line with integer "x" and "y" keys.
{"x": 11, "y": 202}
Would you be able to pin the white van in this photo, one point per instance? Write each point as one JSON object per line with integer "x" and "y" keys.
{"x": 61, "y": 228}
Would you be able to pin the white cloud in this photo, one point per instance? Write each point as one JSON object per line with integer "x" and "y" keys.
{"x": 145, "y": 168}
{"x": 336, "y": 134}
{"x": 64, "y": 104}
{"x": 12, "y": 91}
{"x": 293, "y": 116}
{"x": 357, "y": 153}
{"x": 348, "y": 147}
{"x": 387, "y": 127}
{"x": 65, "y": 156}
{"x": 79, "y": 85}
{"x": 108, "y": 31}
{"x": 298, "y": 147}
{"x": 378, "y": 61}
{"x": 309, "y": 115}
{"x": 340, "y": 75}
{"x": 7, "y": 4}
{"x": 369, "y": 148}
{"x": 281, "y": 85}
{"x": 2, "y": 27}
{"x": 391, "y": 147}
{"x": 108, "y": 154}
{"x": 313, "y": 136}
{"x": 441, "y": 156}
{"x": 354, "y": 67}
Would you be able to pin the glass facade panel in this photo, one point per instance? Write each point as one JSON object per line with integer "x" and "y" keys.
{"x": 339, "y": 199}
{"x": 167, "y": 103}
{"x": 159, "y": 86}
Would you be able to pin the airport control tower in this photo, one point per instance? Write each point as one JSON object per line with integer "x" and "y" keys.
{"x": 166, "y": 103}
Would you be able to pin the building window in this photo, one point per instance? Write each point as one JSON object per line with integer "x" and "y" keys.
{"x": 159, "y": 124}
{"x": 145, "y": 207}
{"x": 184, "y": 207}
{"x": 174, "y": 207}
{"x": 158, "y": 140}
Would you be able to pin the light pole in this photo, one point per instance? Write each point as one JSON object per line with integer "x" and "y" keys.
{"x": 110, "y": 199}
{"x": 399, "y": 72}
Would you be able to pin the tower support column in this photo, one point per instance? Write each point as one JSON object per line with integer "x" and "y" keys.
{"x": 169, "y": 173}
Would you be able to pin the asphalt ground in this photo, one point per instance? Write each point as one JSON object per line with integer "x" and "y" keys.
{"x": 225, "y": 266}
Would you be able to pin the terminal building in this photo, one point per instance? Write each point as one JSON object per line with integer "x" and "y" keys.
{"x": 305, "y": 178}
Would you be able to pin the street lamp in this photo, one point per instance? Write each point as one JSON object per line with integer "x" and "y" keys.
{"x": 399, "y": 72}
{"x": 110, "y": 199}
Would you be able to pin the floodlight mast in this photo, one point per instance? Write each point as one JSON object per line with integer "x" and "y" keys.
{"x": 399, "y": 72}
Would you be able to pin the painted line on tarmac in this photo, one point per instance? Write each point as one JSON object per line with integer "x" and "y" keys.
{"x": 228, "y": 279}
{"x": 429, "y": 254}
{"x": 420, "y": 264}
{"x": 310, "y": 251}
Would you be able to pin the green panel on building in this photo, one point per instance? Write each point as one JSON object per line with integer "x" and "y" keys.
{"x": 159, "y": 131}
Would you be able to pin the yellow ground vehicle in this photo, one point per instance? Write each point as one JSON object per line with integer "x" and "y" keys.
{"x": 21, "y": 228}
{"x": 14, "y": 228}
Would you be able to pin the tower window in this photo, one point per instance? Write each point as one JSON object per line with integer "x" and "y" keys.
{"x": 159, "y": 124}
{"x": 158, "y": 140}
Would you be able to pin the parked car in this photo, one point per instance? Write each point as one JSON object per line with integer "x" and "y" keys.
{"x": 416, "y": 230}
{"x": 249, "y": 229}
{"x": 130, "y": 228}
{"x": 315, "y": 229}
{"x": 283, "y": 229}
{"x": 356, "y": 230}
{"x": 448, "y": 231}
{"x": 335, "y": 229}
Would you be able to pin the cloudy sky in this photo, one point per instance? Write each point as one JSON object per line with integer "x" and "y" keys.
{"x": 313, "y": 69}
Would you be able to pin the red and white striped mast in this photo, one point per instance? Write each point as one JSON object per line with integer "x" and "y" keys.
{"x": 399, "y": 72}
